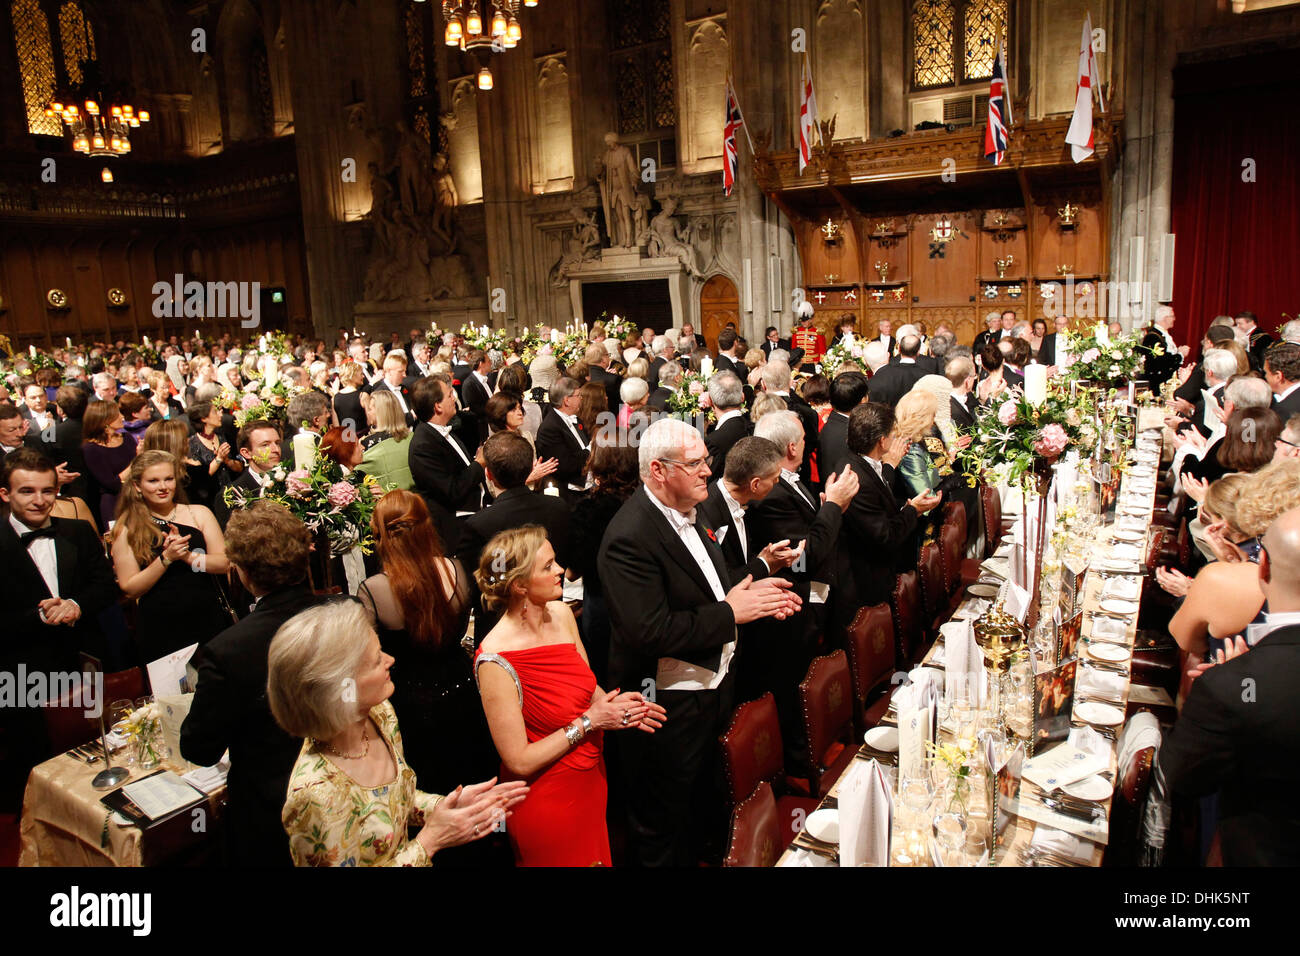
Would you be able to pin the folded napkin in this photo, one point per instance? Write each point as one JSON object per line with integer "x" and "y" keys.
{"x": 573, "y": 589}
{"x": 1109, "y": 628}
{"x": 963, "y": 663}
{"x": 1089, "y": 741}
{"x": 1142, "y": 730}
{"x": 1098, "y": 683}
{"x": 801, "y": 857}
{"x": 1123, "y": 588}
{"x": 866, "y": 802}
{"x": 1062, "y": 844}
{"x": 917, "y": 713}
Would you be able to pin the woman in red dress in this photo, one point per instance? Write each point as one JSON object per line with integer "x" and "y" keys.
{"x": 543, "y": 705}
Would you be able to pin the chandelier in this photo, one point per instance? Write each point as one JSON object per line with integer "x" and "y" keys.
{"x": 467, "y": 29}
{"x": 96, "y": 130}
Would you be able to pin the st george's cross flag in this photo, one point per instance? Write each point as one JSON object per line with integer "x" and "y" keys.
{"x": 807, "y": 114}
{"x": 730, "y": 153}
{"x": 997, "y": 134}
{"x": 1079, "y": 135}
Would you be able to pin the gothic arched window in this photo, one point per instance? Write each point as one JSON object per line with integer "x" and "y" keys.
{"x": 641, "y": 66}
{"x": 955, "y": 41}
{"x": 35, "y": 64}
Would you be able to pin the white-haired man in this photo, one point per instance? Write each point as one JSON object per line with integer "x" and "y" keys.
{"x": 732, "y": 424}
{"x": 664, "y": 351}
{"x": 1161, "y": 368}
{"x": 673, "y": 614}
{"x": 776, "y": 379}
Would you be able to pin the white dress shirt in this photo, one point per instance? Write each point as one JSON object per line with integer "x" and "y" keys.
{"x": 572, "y": 422}
{"x": 42, "y": 553}
{"x": 445, "y": 432}
{"x": 727, "y": 416}
{"x": 737, "y": 511}
{"x": 1281, "y": 396}
{"x": 792, "y": 479}
{"x": 674, "y": 674}
{"x": 1272, "y": 622}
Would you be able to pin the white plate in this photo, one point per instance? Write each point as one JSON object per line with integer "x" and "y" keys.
{"x": 1090, "y": 788}
{"x": 1129, "y": 534}
{"x": 983, "y": 590}
{"x": 1114, "y": 653}
{"x": 1125, "y": 552}
{"x": 1116, "y": 606}
{"x": 1103, "y": 715}
{"x": 824, "y": 825}
{"x": 884, "y": 739}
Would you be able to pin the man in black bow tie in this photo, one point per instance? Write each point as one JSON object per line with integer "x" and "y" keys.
{"x": 674, "y": 610}
{"x": 56, "y": 581}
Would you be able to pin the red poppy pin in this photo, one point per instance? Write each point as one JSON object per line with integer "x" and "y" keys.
{"x": 712, "y": 537}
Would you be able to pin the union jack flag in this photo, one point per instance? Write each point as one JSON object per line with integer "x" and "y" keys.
{"x": 730, "y": 152}
{"x": 996, "y": 134}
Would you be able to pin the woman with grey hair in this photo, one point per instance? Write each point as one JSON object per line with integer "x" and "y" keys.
{"x": 633, "y": 393}
{"x": 351, "y": 794}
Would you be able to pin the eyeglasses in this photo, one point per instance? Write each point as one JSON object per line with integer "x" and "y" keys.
{"x": 1283, "y": 441}
{"x": 693, "y": 465}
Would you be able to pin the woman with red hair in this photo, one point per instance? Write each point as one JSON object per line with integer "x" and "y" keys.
{"x": 343, "y": 447}
{"x": 420, "y": 605}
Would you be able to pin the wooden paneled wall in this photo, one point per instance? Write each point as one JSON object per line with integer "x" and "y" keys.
{"x": 86, "y": 262}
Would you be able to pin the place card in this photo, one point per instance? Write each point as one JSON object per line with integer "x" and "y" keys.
{"x": 1063, "y": 764}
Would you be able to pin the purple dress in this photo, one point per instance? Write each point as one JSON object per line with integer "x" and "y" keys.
{"x": 105, "y": 465}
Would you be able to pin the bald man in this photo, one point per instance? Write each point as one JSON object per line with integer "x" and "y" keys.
{"x": 1239, "y": 732}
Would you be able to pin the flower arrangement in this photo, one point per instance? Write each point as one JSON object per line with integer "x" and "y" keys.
{"x": 484, "y": 337}
{"x": 1108, "y": 360}
{"x": 958, "y": 758}
{"x": 144, "y": 726}
{"x": 1010, "y": 438}
{"x": 839, "y": 353}
{"x": 691, "y": 398}
{"x": 328, "y": 502}
{"x": 619, "y": 327}
{"x": 277, "y": 345}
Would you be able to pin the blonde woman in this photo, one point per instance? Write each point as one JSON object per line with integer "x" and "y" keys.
{"x": 351, "y": 794}
{"x": 201, "y": 373}
{"x": 386, "y": 448}
{"x": 926, "y": 456}
{"x": 544, "y": 707}
{"x": 764, "y": 403}
{"x": 169, "y": 557}
{"x": 1225, "y": 597}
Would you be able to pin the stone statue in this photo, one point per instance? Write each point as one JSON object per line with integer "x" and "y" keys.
{"x": 412, "y": 212}
{"x": 581, "y": 245}
{"x": 617, "y": 173}
{"x": 668, "y": 239}
{"x": 642, "y": 217}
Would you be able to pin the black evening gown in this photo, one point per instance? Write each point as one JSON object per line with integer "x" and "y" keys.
{"x": 183, "y": 608}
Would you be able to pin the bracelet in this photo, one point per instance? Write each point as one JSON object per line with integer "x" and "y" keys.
{"x": 165, "y": 561}
{"x": 573, "y": 734}
{"x": 586, "y": 725}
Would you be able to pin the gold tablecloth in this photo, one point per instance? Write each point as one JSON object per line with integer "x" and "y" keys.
{"x": 64, "y": 824}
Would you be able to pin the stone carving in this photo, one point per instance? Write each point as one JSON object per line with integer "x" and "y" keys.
{"x": 669, "y": 239}
{"x": 617, "y": 173}
{"x": 412, "y": 214}
{"x": 582, "y": 244}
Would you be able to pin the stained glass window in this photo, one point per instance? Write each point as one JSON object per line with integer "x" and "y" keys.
{"x": 36, "y": 64}
{"x": 955, "y": 41}
{"x": 985, "y": 28}
{"x": 78, "y": 40}
{"x": 420, "y": 26}
{"x": 642, "y": 72}
{"x": 932, "y": 35}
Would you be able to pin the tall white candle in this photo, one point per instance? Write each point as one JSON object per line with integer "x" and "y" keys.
{"x": 304, "y": 450}
{"x": 1103, "y": 333}
{"x": 1036, "y": 384}
{"x": 706, "y": 367}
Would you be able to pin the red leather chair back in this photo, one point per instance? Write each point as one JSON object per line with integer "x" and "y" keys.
{"x": 905, "y": 604}
{"x": 871, "y": 649}
{"x": 756, "y": 838}
{"x": 826, "y": 698}
{"x": 992, "y": 505}
{"x": 952, "y": 545}
{"x": 933, "y": 592}
{"x": 68, "y": 726}
{"x": 751, "y": 748}
{"x": 1184, "y": 545}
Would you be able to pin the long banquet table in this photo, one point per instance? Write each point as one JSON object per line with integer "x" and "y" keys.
{"x": 805, "y": 851}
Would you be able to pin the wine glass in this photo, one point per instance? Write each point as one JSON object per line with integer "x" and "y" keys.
{"x": 950, "y": 834}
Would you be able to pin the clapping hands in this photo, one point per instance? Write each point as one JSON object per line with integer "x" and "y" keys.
{"x": 768, "y": 597}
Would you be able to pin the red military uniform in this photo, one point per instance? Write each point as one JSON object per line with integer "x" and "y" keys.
{"x": 812, "y": 342}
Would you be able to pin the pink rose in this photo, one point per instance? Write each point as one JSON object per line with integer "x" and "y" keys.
{"x": 1090, "y": 356}
{"x": 706, "y": 401}
{"x": 1051, "y": 441}
{"x": 697, "y": 388}
{"x": 1007, "y": 414}
{"x": 342, "y": 494}
{"x": 296, "y": 484}
{"x": 249, "y": 402}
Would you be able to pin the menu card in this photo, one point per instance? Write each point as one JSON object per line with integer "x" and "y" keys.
{"x": 1067, "y": 637}
{"x": 1064, "y": 764}
{"x": 866, "y": 803}
{"x": 161, "y": 794}
{"x": 168, "y": 675}
{"x": 1053, "y": 703}
{"x": 917, "y": 715}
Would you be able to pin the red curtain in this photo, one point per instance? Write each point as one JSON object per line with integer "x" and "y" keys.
{"x": 1237, "y": 246}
